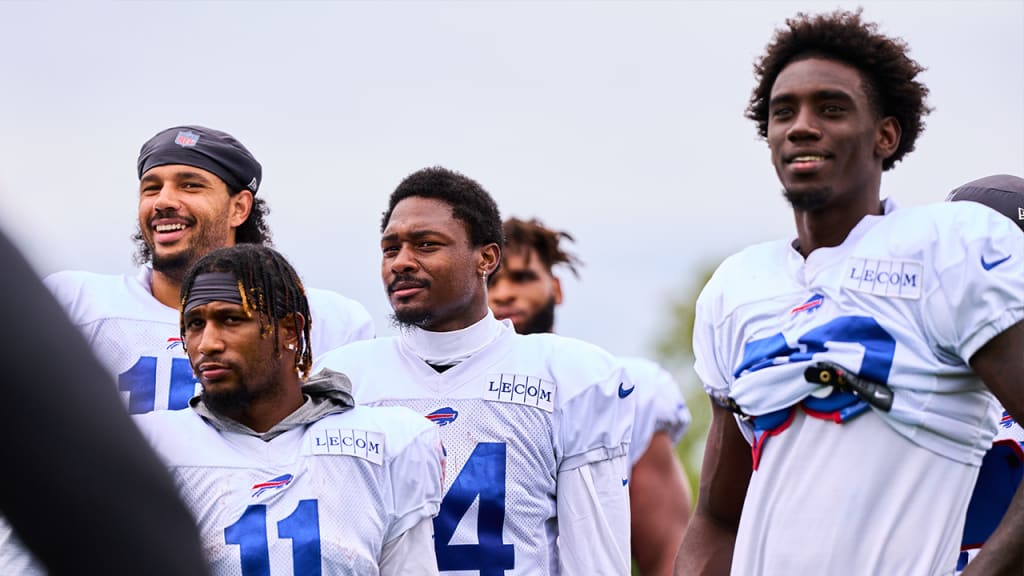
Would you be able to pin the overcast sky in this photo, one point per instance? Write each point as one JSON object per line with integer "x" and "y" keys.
{"x": 621, "y": 122}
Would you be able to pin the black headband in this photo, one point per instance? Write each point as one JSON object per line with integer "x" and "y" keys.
{"x": 213, "y": 287}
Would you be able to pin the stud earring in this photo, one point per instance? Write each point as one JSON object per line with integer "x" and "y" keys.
{"x": 290, "y": 347}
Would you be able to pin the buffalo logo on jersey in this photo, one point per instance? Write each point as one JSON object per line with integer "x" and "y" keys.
{"x": 443, "y": 416}
{"x": 812, "y": 304}
{"x": 186, "y": 139}
{"x": 174, "y": 342}
{"x": 1006, "y": 421}
{"x": 278, "y": 483}
{"x": 888, "y": 278}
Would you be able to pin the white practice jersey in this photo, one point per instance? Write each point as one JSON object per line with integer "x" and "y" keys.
{"x": 139, "y": 339}
{"x": 512, "y": 417}
{"x": 321, "y": 499}
{"x": 906, "y": 301}
{"x": 659, "y": 405}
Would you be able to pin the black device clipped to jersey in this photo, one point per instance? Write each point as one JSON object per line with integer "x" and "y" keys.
{"x": 829, "y": 374}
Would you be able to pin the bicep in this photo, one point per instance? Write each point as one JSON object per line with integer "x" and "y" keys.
{"x": 1000, "y": 365}
{"x": 726, "y": 470}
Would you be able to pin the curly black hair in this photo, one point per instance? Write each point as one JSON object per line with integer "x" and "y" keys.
{"x": 254, "y": 230}
{"x": 269, "y": 286}
{"x": 523, "y": 235}
{"x": 883, "y": 62}
{"x": 468, "y": 199}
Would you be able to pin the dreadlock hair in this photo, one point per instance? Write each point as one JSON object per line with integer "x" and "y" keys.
{"x": 254, "y": 230}
{"x": 468, "y": 199}
{"x": 886, "y": 70}
{"x": 269, "y": 286}
{"x": 523, "y": 235}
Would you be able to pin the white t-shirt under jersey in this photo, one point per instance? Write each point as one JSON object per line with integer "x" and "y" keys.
{"x": 535, "y": 431}
{"x": 139, "y": 339}
{"x": 906, "y": 300}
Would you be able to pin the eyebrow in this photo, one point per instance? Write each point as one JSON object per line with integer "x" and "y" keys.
{"x": 415, "y": 235}
{"x": 817, "y": 95}
{"x": 180, "y": 175}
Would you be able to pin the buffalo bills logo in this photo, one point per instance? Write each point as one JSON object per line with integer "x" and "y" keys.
{"x": 812, "y": 303}
{"x": 1006, "y": 421}
{"x": 443, "y": 416}
{"x": 186, "y": 138}
{"x": 272, "y": 484}
{"x": 174, "y": 343}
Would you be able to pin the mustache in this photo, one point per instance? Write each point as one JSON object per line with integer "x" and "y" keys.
{"x": 407, "y": 281}
{"x": 170, "y": 213}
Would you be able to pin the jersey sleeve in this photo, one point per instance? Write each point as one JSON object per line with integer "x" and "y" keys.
{"x": 979, "y": 264}
{"x": 416, "y": 474}
{"x": 595, "y": 416}
{"x": 659, "y": 405}
{"x": 593, "y": 518}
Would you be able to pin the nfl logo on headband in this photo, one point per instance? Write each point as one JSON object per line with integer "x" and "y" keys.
{"x": 186, "y": 138}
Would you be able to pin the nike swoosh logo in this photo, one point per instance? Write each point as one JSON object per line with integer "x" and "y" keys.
{"x": 994, "y": 263}
{"x": 623, "y": 392}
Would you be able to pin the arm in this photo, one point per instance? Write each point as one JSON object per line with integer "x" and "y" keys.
{"x": 412, "y": 553}
{"x": 593, "y": 518}
{"x": 708, "y": 543}
{"x": 659, "y": 504}
{"x": 1000, "y": 363}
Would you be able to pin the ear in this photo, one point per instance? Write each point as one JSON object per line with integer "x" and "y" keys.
{"x": 490, "y": 257}
{"x": 556, "y": 287}
{"x": 888, "y": 136}
{"x": 239, "y": 207}
{"x": 290, "y": 330}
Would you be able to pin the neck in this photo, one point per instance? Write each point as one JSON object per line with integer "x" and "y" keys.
{"x": 454, "y": 346}
{"x": 263, "y": 413}
{"x": 166, "y": 288}
{"x": 831, "y": 225}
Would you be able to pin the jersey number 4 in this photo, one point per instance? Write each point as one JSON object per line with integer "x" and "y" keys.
{"x": 482, "y": 476}
{"x": 139, "y": 382}
{"x": 302, "y": 526}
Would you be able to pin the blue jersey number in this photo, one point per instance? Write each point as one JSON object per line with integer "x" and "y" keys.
{"x": 879, "y": 346}
{"x": 139, "y": 382}
{"x": 302, "y": 527}
{"x": 482, "y": 476}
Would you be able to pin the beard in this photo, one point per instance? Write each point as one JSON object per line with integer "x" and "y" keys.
{"x": 204, "y": 240}
{"x": 234, "y": 401}
{"x": 406, "y": 319}
{"x": 808, "y": 200}
{"x": 542, "y": 321}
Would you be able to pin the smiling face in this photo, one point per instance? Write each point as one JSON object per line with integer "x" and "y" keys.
{"x": 524, "y": 291}
{"x": 186, "y": 212}
{"x": 430, "y": 269}
{"x": 826, "y": 139}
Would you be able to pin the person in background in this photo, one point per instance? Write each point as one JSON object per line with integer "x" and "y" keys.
{"x": 526, "y": 290}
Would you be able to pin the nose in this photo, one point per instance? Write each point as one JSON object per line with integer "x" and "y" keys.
{"x": 404, "y": 261}
{"x": 209, "y": 341}
{"x": 804, "y": 126}
{"x": 167, "y": 198}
